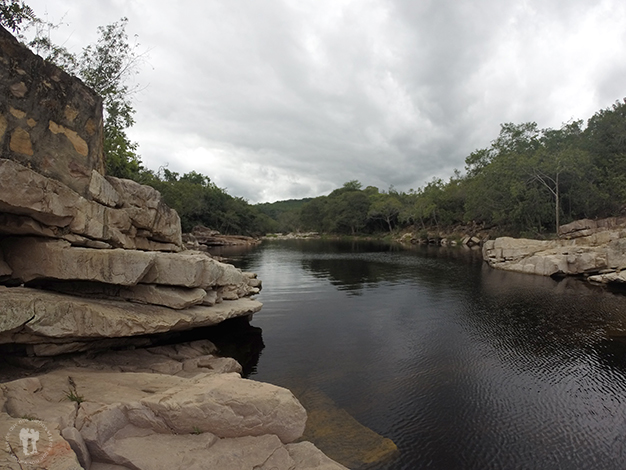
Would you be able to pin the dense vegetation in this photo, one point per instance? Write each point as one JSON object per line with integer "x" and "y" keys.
{"x": 527, "y": 182}
{"x": 198, "y": 201}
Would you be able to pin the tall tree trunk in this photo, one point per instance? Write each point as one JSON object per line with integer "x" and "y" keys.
{"x": 557, "y": 206}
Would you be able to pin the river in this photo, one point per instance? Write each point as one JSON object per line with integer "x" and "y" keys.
{"x": 461, "y": 366}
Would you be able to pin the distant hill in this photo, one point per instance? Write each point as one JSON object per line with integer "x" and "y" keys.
{"x": 275, "y": 209}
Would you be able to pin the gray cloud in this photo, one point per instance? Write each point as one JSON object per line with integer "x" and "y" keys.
{"x": 282, "y": 99}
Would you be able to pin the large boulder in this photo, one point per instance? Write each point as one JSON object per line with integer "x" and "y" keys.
{"x": 194, "y": 269}
{"x": 609, "y": 278}
{"x": 591, "y": 247}
{"x": 25, "y": 192}
{"x": 206, "y": 420}
{"x": 226, "y": 406}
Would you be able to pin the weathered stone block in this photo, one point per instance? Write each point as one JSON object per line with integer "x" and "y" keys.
{"x": 25, "y": 192}
{"x": 229, "y": 406}
{"x": 33, "y": 258}
{"x": 23, "y": 225}
{"x": 193, "y": 269}
{"x": 167, "y": 296}
{"x": 55, "y": 125}
{"x": 77, "y": 443}
{"x": 175, "y": 269}
{"x": 102, "y": 191}
{"x": 147, "y": 210}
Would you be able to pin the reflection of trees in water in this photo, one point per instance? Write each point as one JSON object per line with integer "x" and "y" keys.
{"x": 525, "y": 313}
{"x": 352, "y": 266}
{"x": 612, "y": 353}
{"x": 351, "y": 275}
{"x": 516, "y": 313}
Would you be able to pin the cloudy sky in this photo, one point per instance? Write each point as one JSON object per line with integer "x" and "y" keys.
{"x": 279, "y": 99}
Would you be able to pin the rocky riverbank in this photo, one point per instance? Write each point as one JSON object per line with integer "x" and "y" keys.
{"x": 164, "y": 407}
{"x": 292, "y": 236}
{"x": 92, "y": 268}
{"x": 203, "y": 239}
{"x": 589, "y": 248}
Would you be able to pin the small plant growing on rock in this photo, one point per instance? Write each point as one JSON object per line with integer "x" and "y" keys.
{"x": 73, "y": 396}
{"x": 196, "y": 430}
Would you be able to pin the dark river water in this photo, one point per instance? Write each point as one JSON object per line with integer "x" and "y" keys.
{"x": 461, "y": 366}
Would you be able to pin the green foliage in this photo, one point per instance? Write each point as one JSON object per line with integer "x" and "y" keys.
{"x": 605, "y": 140}
{"x": 284, "y": 216}
{"x": 15, "y": 12}
{"x": 348, "y": 212}
{"x": 107, "y": 66}
{"x": 199, "y": 201}
{"x": 385, "y": 207}
{"x": 121, "y": 160}
{"x": 73, "y": 396}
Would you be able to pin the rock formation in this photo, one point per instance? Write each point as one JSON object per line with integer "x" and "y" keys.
{"x": 202, "y": 238}
{"x": 166, "y": 407}
{"x": 89, "y": 262}
{"x": 99, "y": 242}
{"x": 596, "y": 249}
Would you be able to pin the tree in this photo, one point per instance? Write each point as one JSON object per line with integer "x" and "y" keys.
{"x": 552, "y": 159}
{"x": 107, "y": 66}
{"x": 15, "y": 12}
{"x": 605, "y": 140}
{"x": 551, "y": 182}
{"x": 313, "y": 214}
{"x": 350, "y": 211}
{"x": 385, "y": 207}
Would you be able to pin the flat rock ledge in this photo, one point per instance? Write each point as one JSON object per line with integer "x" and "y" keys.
{"x": 167, "y": 407}
{"x": 54, "y": 324}
{"x": 594, "y": 249}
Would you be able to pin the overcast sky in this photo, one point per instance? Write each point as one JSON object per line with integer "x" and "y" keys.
{"x": 288, "y": 99}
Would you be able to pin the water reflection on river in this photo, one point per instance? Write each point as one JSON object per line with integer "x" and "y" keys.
{"x": 460, "y": 365}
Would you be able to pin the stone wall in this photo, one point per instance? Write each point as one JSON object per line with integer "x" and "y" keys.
{"x": 49, "y": 121}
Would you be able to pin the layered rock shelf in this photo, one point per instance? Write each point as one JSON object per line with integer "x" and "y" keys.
{"x": 590, "y": 248}
{"x": 96, "y": 264}
{"x": 86, "y": 257}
